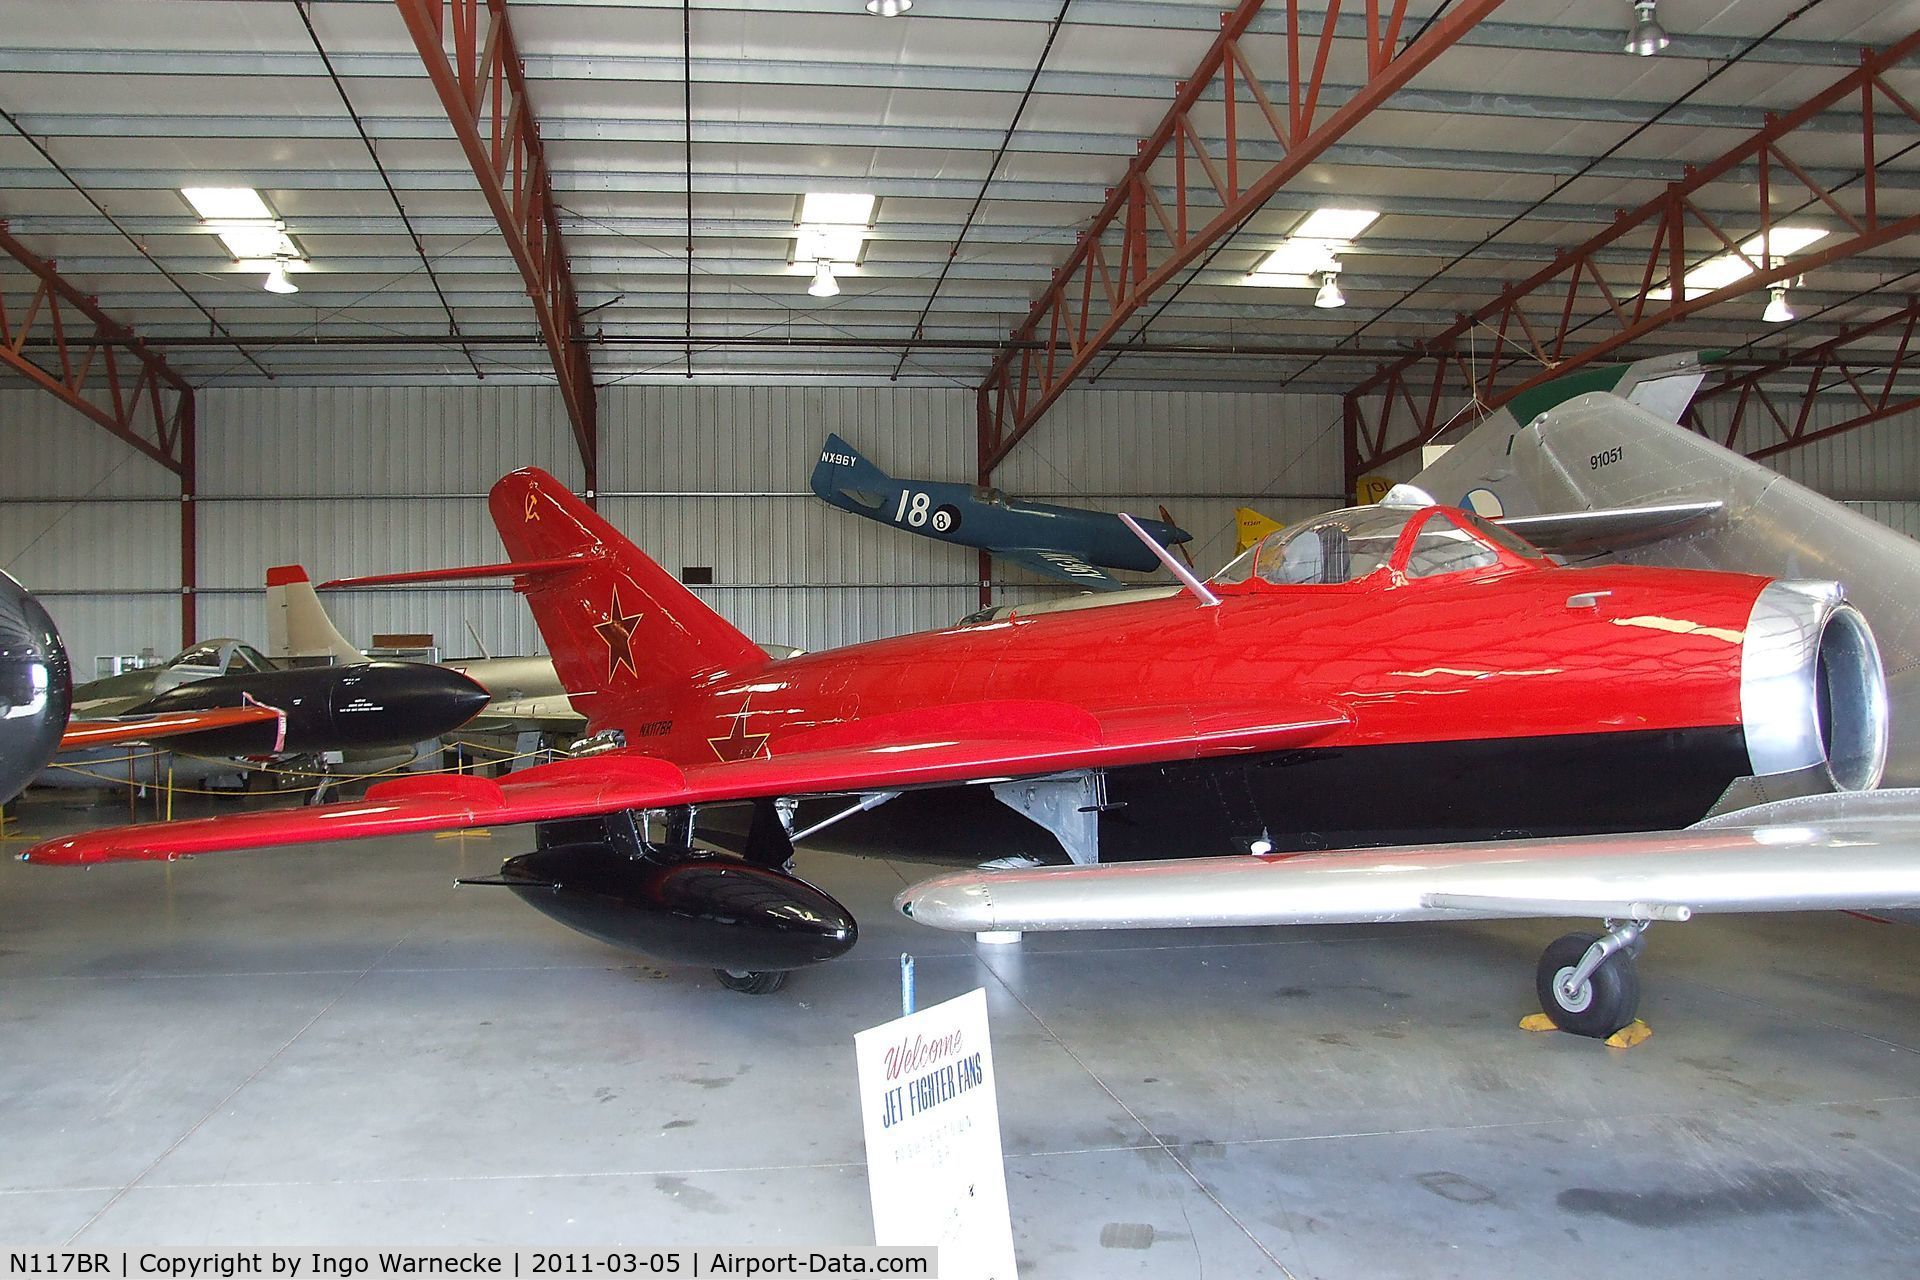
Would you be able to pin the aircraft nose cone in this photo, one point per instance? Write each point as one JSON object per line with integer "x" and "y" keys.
{"x": 458, "y": 695}
{"x": 422, "y": 700}
{"x": 466, "y": 695}
{"x": 36, "y": 687}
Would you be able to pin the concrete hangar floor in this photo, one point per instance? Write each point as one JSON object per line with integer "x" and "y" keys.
{"x": 335, "y": 1045}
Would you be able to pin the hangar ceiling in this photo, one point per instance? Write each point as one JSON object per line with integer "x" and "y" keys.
{"x": 989, "y": 130}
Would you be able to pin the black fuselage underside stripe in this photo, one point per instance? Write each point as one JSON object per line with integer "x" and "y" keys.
{"x": 1341, "y": 798}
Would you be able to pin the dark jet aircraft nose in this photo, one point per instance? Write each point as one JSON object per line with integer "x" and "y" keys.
{"x": 420, "y": 700}
{"x": 367, "y": 704}
{"x": 470, "y": 698}
{"x": 36, "y": 688}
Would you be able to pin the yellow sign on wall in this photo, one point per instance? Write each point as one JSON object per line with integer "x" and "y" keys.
{"x": 1371, "y": 489}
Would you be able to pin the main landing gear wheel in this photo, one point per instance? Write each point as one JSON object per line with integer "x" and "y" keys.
{"x": 1598, "y": 1003}
{"x": 752, "y": 982}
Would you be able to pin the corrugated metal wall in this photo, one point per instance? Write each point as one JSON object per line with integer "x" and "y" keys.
{"x": 353, "y": 480}
{"x": 93, "y": 525}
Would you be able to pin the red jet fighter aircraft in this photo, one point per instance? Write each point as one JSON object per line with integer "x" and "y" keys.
{"x": 1375, "y": 674}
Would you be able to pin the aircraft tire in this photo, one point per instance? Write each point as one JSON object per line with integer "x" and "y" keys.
{"x": 752, "y": 982}
{"x": 1607, "y": 1002}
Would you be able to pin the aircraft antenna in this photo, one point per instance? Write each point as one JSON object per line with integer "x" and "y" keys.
{"x": 1180, "y": 571}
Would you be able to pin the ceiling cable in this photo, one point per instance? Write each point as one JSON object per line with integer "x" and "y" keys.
{"x": 453, "y": 325}
{"x": 1228, "y": 239}
{"x": 127, "y": 235}
{"x": 686, "y": 69}
{"x": 1569, "y": 180}
{"x": 953, "y": 252}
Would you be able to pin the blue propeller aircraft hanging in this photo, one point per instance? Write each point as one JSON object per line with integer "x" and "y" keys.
{"x": 1068, "y": 543}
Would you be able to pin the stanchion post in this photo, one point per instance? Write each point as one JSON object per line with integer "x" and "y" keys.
{"x": 906, "y": 984}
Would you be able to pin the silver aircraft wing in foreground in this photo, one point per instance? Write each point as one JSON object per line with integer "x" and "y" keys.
{"x": 1853, "y": 850}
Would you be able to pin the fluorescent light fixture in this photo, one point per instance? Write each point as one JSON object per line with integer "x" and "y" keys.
{"x": 833, "y": 228}
{"x": 1313, "y": 249}
{"x": 1329, "y": 295}
{"x": 1716, "y": 273}
{"x": 888, "y": 8}
{"x": 277, "y": 281}
{"x": 1783, "y": 241}
{"x": 1646, "y": 37}
{"x": 227, "y": 203}
{"x": 1723, "y": 269}
{"x": 846, "y": 210}
{"x": 1777, "y": 311}
{"x": 1335, "y": 224}
{"x": 838, "y": 244}
{"x": 1297, "y": 257}
{"x": 1271, "y": 280}
{"x": 824, "y": 285}
{"x": 257, "y": 240}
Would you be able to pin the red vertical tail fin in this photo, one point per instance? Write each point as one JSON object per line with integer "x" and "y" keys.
{"x": 615, "y": 622}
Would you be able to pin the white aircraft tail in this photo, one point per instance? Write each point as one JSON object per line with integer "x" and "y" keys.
{"x": 1662, "y": 385}
{"x": 298, "y": 628}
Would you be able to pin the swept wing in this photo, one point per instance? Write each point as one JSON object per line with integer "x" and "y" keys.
{"x": 970, "y": 742}
{"x": 1613, "y": 528}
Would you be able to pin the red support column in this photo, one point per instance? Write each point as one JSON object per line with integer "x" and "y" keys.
{"x": 1143, "y": 237}
{"x": 983, "y": 427}
{"x": 482, "y": 86}
{"x": 189, "y": 530}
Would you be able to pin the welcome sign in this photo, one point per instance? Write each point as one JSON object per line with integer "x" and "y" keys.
{"x": 932, "y": 1119}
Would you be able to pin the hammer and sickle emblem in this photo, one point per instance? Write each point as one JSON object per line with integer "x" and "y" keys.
{"x": 533, "y": 505}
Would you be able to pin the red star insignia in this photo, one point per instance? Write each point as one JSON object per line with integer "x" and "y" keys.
{"x": 618, "y": 632}
{"x": 738, "y": 744}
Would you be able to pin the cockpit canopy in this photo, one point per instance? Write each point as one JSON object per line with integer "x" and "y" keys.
{"x": 223, "y": 657}
{"x": 1356, "y": 542}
